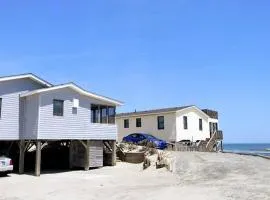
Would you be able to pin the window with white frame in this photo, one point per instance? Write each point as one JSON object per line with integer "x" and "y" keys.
{"x": 160, "y": 121}
{"x": 138, "y": 122}
{"x": 126, "y": 123}
{"x": 185, "y": 122}
{"x": 200, "y": 124}
{"x": 58, "y": 107}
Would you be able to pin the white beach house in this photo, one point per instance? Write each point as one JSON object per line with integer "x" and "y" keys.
{"x": 170, "y": 124}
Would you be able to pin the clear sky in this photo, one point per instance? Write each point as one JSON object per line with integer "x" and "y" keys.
{"x": 150, "y": 54}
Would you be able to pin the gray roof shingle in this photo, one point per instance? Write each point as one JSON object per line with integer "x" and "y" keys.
{"x": 211, "y": 113}
{"x": 162, "y": 110}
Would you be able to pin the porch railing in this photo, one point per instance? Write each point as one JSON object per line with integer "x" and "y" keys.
{"x": 219, "y": 135}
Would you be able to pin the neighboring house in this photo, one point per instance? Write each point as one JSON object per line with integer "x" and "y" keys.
{"x": 31, "y": 109}
{"x": 170, "y": 124}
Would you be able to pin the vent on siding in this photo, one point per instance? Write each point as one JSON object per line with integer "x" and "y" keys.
{"x": 76, "y": 103}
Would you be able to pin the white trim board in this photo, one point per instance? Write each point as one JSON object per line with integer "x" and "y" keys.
{"x": 77, "y": 89}
{"x": 22, "y": 76}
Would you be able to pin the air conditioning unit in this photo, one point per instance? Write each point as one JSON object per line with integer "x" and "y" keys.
{"x": 76, "y": 103}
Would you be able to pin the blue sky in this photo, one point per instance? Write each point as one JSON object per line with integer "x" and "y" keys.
{"x": 150, "y": 54}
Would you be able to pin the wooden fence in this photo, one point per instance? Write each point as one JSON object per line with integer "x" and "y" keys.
{"x": 201, "y": 146}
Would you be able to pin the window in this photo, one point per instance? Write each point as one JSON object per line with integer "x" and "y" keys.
{"x": 126, "y": 123}
{"x": 95, "y": 113}
{"x": 211, "y": 127}
{"x": 200, "y": 125}
{"x": 0, "y": 108}
{"x": 215, "y": 127}
{"x": 139, "y": 122}
{"x": 58, "y": 107}
{"x": 103, "y": 115}
{"x": 160, "y": 121}
{"x": 185, "y": 121}
{"x": 111, "y": 113}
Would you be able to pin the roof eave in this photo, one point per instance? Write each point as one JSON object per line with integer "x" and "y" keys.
{"x": 77, "y": 89}
{"x": 29, "y": 75}
{"x": 196, "y": 108}
{"x": 145, "y": 114}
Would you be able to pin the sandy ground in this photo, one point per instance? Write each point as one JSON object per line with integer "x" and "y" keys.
{"x": 197, "y": 176}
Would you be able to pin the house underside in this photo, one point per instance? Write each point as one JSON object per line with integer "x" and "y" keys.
{"x": 81, "y": 154}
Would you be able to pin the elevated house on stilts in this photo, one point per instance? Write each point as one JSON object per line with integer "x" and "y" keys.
{"x": 35, "y": 112}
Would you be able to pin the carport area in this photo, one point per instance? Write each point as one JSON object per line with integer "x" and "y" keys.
{"x": 45, "y": 155}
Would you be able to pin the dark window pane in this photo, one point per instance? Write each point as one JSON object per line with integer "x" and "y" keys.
{"x": 216, "y": 126}
{"x": 95, "y": 113}
{"x": 58, "y": 107}
{"x": 160, "y": 120}
{"x": 185, "y": 121}
{"x": 138, "y": 122}
{"x": 211, "y": 127}
{"x": 111, "y": 114}
{"x": 126, "y": 123}
{"x": 200, "y": 125}
{"x": 103, "y": 114}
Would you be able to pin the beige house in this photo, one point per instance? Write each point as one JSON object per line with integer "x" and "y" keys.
{"x": 170, "y": 124}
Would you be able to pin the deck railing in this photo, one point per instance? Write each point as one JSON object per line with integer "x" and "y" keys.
{"x": 202, "y": 145}
{"x": 220, "y": 135}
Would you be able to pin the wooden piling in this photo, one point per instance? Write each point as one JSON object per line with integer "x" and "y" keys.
{"x": 22, "y": 155}
{"x": 113, "y": 143}
{"x": 38, "y": 158}
{"x": 71, "y": 155}
{"x": 87, "y": 156}
{"x": 221, "y": 145}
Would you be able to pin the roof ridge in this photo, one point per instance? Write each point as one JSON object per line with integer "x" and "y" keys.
{"x": 167, "y": 109}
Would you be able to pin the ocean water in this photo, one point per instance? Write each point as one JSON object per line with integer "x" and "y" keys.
{"x": 259, "y": 149}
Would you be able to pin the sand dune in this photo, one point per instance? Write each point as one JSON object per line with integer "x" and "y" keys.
{"x": 196, "y": 176}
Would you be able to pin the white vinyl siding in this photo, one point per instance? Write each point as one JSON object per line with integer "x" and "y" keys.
{"x": 30, "y": 115}
{"x": 71, "y": 126}
{"x": 10, "y": 93}
{"x": 0, "y": 107}
{"x": 192, "y": 133}
{"x": 149, "y": 125}
{"x": 173, "y": 125}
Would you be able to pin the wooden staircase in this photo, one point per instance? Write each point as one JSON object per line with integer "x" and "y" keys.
{"x": 120, "y": 154}
{"x": 212, "y": 143}
{"x": 202, "y": 145}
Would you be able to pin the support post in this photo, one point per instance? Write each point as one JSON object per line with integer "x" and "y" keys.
{"x": 21, "y": 159}
{"x": 71, "y": 155}
{"x": 221, "y": 145}
{"x": 87, "y": 156}
{"x": 113, "y": 153}
{"x": 38, "y": 158}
